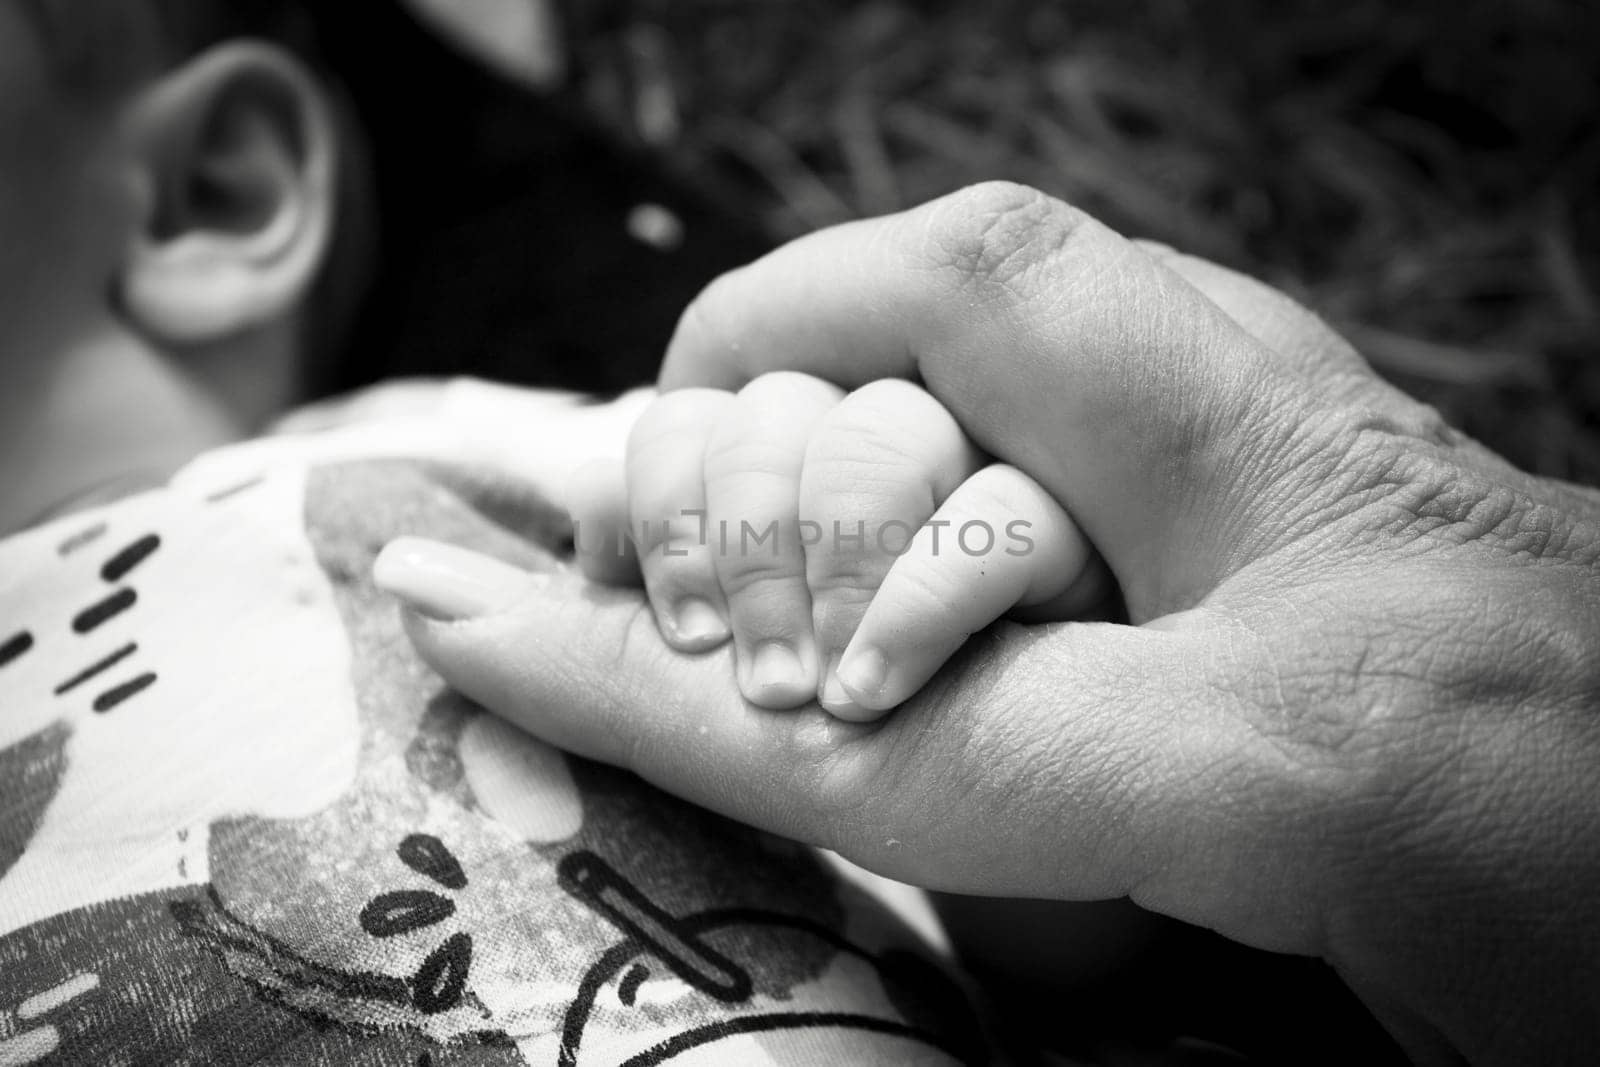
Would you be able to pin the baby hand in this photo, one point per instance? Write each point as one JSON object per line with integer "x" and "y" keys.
{"x": 849, "y": 544}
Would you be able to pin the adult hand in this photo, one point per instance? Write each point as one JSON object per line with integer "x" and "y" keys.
{"x": 1357, "y": 714}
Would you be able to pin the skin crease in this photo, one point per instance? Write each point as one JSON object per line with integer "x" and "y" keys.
{"x": 1354, "y": 717}
{"x": 95, "y": 394}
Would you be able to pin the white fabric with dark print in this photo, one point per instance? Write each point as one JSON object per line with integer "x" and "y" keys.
{"x": 240, "y": 821}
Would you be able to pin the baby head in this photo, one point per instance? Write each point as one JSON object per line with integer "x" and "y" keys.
{"x": 169, "y": 191}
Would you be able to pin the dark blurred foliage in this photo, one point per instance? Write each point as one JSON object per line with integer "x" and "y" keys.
{"x": 1423, "y": 174}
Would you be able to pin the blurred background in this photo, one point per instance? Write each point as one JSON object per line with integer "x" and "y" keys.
{"x": 1422, "y": 174}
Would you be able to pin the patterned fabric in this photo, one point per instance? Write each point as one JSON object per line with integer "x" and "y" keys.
{"x": 241, "y": 822}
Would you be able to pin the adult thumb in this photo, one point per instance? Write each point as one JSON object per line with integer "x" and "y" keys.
{"x": 1062, "y": 348}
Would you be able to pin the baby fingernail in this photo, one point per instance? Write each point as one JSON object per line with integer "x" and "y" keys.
{"x": 696, "y": 622}
{"x": 833, "y": 695}
{"x": 778, "y": 677}
{"x": 446, "y": 582}
{"x": 862, "y": 673}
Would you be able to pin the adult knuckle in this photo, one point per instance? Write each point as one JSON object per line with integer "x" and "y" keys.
{"x": 1423, "y": 495}
{"x": 1413, "y": 418}
{"x": 1583, "y": 500}
{"x": 1367, "y": 483}
{"x": 994, "y": 233}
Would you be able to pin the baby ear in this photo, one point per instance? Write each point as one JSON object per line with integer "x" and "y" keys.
{"x": 237, "y": 148}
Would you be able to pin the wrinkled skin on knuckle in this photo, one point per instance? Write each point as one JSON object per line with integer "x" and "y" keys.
{"x": 1325, "y": 439}
{"x": 1358, "y": 480}
{"x": 1386, "y": 408}
{"x": 988, "y": 237}
{"x": 1315, "y": 438}
{"x": 1252, "y": 493}
{"x": 1581, "y": 499}
{"x": 1430, "y": 497}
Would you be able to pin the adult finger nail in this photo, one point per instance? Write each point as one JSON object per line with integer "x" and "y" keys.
{"x": 446, "y": 582}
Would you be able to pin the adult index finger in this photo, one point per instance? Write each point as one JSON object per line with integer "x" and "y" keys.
{"x": 1086, "y": 761}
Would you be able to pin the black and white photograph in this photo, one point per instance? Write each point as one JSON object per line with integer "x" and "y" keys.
{"x": 748, "y": 533}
